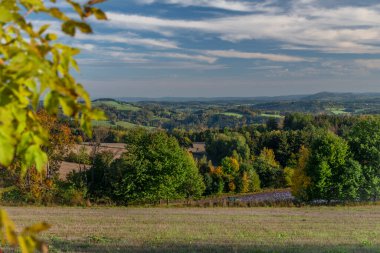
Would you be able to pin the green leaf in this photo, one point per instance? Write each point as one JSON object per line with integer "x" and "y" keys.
{"x": 51, "y": 37}
{"x": 35, "y": 156}
{"x": 55, "y": 12}
{"x": 6, "y": 15}
{"x": 51, "y": 102}
{"x": 67, "y": 106}
{"x": 7, "y": 148}
{"x": 76, "y": 7}
{"x": 99, "y": 14}
{"x": 68, "y": 27}
{"x": 43, "y": 29}
{"x": 83, "y": 27}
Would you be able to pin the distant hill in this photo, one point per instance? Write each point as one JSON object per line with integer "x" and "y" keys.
{"x": 331, "y": 96}
{"x": 322, "y": 96}
{"x": 209, "y": 99}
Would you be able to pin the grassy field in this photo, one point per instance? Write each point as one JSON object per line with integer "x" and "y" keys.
{"x": 232, "y": 114}
{"x": 271, "y": 115}
{"x": 306, "y": 229}
{"x": 131, "y": 125}
{"x": 118, "y": 105}
{"x": 124, "y": 124}
{"x": 337, "y": 110}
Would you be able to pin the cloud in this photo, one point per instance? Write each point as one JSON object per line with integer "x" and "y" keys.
{"x": 119, "y": 38}
{"x": 121, "y": 55}
{"x": 230, "y": 5}
{"x": 183, "y": 65}
{"x": 249, "y": 55}
{"x": 373, "y": 64}
{"x": 332, "y": 30}
{"x": 200, "y": 58}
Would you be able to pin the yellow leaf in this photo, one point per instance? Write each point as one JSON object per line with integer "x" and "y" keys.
{"x": 36, "y": 228}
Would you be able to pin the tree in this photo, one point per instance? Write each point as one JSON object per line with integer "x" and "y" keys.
{"x": 268, "y": 169}
{"x": 288, "y": 175}
{"x": 364, "y": 142}
{"x": 230, "y": 166}
{"x": 334, "y": 175}
{"x": 224, "y": 145}
{"x": 272, "y": 124}
{"x": 154, "y": 168}
{"x": 32, "y": 65}
{"x": 60, "y": 142}
{"x": 217, "y": 180}
{"x": 99, "y": 174}
{"x": 254, "y": 183}
{"x": 297, "y": 121}
{"x": 193, "y": 185}
{"x": 300, "y": 180}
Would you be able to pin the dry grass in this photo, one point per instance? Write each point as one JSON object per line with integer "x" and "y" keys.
{"x": 306, "y": 229}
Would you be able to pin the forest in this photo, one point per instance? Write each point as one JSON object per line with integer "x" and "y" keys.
{"x": 321, "y": 158}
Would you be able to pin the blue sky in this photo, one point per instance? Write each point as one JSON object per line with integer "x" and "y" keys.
{"x": 211, "y": 48}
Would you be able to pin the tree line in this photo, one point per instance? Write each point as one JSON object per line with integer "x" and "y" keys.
{"x": 320, "y": 158}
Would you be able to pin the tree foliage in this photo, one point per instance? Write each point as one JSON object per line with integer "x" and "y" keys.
{"x": 328, "y": 172}
{"x": 154, "y": 168}
{"x": 220, "y": 146}
{"x": 300, "y": 180}
{"x": 364, "y": 141}
{"x": 33, "y": 65}
{"x": 268, "y": 169}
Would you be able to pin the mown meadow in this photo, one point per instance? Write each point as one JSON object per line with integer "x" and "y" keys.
{"x": 305, "y": 229}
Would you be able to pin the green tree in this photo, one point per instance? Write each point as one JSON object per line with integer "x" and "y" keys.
{"x": 193, "y": 185}
{"x": 364, "y": 142}
{"x": 154, "y": 168}
{"x": 98, "y": 175}
{"x": 297, "y": 121}
{"x": 333, "y": 174}
{"x": 226, "y": 145}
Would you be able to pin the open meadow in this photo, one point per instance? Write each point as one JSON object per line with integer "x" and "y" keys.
{"x": 306, "y": 229}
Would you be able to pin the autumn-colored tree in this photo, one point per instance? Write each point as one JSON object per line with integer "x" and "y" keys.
{"x": 288, "y": 175}
{"x": 300, "y": 181}
{"x": 268, "y": 169}
{"x": 216, "y": 185}
{"x": 61, "y": 141}
{"x": 230, "y": 166}
{"x": 242, "y": 183}
{"x": 247, "y": 172}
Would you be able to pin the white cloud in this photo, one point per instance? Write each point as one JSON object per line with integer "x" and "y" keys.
{"x": 183, "y": 65}
{"x": 250, "y": 55}
{"x": 121, "y": 55}
{"x": 231, "y": 5}
{"x": 337, "y": 30}
{"x": 119, "y": 38}
{"x": 200, "y": 58}
{"x": 373, "y": 64}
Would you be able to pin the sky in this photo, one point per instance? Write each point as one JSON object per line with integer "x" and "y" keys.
{"x": 220, "y": 48}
